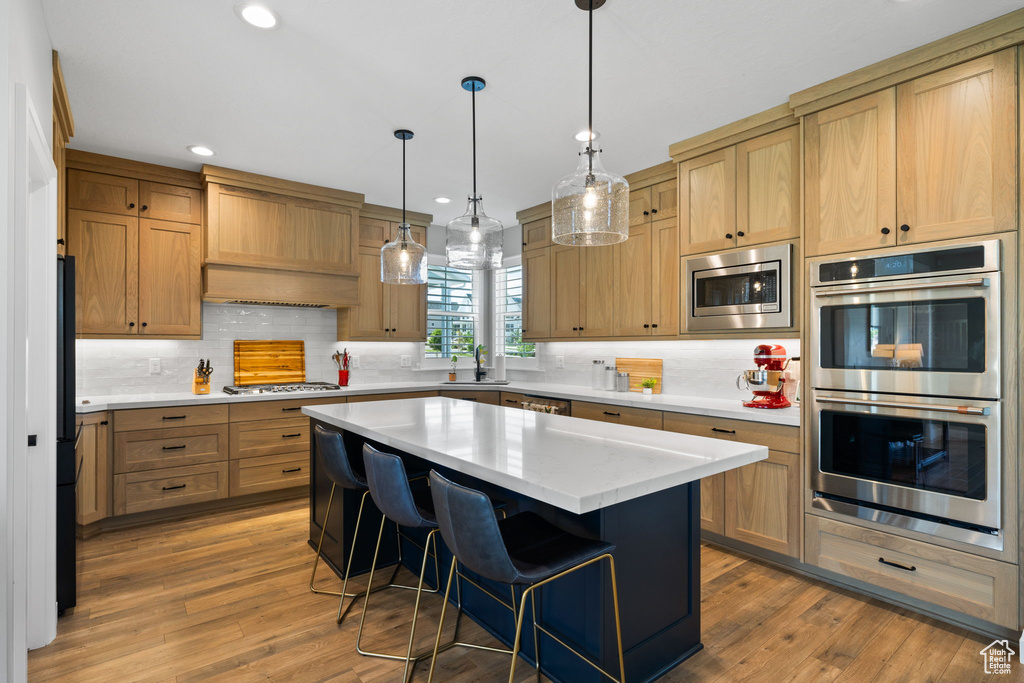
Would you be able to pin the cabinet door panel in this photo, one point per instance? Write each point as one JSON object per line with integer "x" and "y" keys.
{"x": 850, "y": 175}
{"x": 565, "y": 291}
{"x": 92, "y": 500}
{"x": 633, "y": 315}
{"x": 170, "y": 203}
{"x": 101, "y": 192}
{"x": 537, "y": 234}
{"x": 761, "y": 503}
{"x": 248, "y": 226}
{"x": 599, "y": 286}
{"x": 768, "y": 188}
{"x": 407, "y": 314}
{"x": 665, "y": 278}
{"x": 374, "y": 232}
{"x": 640, "y": 206}
{"x": 537, "y": 294}
{"x": 106, "y": 249}
{"x": 957, "y": 150}
{"x": 320, "y": 238}
{"x": 370, "y": 316}
{"x": 712, "y": 503}
{"x": 707, "y": 202}
{"x": 665, "y": 200}
{"x": 169, "y": 278}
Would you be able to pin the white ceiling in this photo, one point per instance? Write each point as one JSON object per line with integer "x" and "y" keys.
{"x": 317, "y": 99}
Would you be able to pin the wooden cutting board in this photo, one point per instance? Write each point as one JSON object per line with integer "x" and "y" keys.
{"x": 640, "y": 369}
{"x": 269, "y": 362}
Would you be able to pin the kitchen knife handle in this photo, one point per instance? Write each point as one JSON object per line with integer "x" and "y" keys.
{"x": 171, "y": 488}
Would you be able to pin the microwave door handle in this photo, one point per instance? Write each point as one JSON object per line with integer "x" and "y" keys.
{"x": 973, "y": 282}
{"x": 962, "y": 410}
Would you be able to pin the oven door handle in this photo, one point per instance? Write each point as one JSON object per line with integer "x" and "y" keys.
{"x": 962, "y": 410}
{"x": 973, "y": 282}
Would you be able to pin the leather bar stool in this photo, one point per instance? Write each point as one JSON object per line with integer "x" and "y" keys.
{"x": 523, "y": 550}
{"x": 334, "y": 460}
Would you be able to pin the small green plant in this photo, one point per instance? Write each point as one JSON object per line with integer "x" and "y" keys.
{"x": 648, "y": 383}
{"x": 455, "y": 360}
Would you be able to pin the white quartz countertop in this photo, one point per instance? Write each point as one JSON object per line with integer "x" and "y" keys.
{"x": 672, "y": 403}
{"x": 574, "y": 464}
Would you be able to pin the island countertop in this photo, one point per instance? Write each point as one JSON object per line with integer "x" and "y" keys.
{"x": 574, "y": 464}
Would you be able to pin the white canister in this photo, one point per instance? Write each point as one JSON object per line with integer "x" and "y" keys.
{"x": 597, "y": 375}
{"x": 610, "y": 375}
{"x": 499, "y": 368}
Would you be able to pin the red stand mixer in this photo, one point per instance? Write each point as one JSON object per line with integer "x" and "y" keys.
{"x": 766, "y": 381}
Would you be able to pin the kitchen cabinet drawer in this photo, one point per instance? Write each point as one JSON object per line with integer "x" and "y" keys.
{"x": 270, "y": 437}
{"x": 775, "y": 437}
{"x": 636, "y": 417}
{"x": 173, "y": 416}
{"x": 269, "y": 473}
{"x": 489, "y": 397}
{"x": 270, "y": 410}
{"x": 155, "y": 489}
{"x": 511, "y": 400}
{"x": 975, "y": 586}
{"x": 391, "y": 397}
{"x": 152, "y": 449}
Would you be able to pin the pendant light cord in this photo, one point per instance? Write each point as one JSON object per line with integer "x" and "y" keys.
{"x": 590, "y": 96}
{"x": 403, "y": 181}
{"x": 473, "y": 91}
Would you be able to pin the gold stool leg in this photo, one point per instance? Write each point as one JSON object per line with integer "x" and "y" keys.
{"x": 618, "y": 626}
{"x": 440, "y": 623}
{"x": 536, "y": 642}
{"x": 519, "y": 632}
{"x": 369, "y": 583}
{"x": 407, "y": 673}
{"x": 320, "y": 545}
{"x": 348, "y": 566}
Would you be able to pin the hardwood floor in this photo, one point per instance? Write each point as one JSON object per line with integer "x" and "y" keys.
{"x": 224, "y": 597}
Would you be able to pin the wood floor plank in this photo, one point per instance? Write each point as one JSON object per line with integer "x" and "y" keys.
{"x": 224, "y": 597}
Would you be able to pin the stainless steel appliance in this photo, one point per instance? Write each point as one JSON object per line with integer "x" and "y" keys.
{"x": 907, "y": 416}
{"x": 752, "y": 288}
{"x": 280, "y": 388}
{"x": 909, "y": 321}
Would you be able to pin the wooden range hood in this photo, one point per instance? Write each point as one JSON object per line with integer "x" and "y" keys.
{"x": 272, "y": 241}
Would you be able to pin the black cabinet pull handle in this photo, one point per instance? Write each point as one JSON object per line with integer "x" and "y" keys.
{"x": 144, "y": 324}
{"x": 647, "y": 213}
{"x": 294, "y": 469}
{"x": 285, "y": 410}
{"x": 575, "y": 329}
{"x": 613, "y": 414}
{"x": 524, "y": 244}
{"x": 728, "y": 235}
{"x": 174, "y": 448}
{"x": 646, "y": 326}
{"x": 171, "y": 488}
{"x": 885, "y": 231}
{"x": 511, "y": 400}
{"x": 911, "y": 568}
{"x": 132, "y": 205}
{"x": 581, "y": 329}
{"x": 174, "y": 417}
{"x": 104, "y": 422}
{"x": 905, "y": 228}
{"x": 60, "y": 241}
{"x": 723, "y": 431}
{"x": 290, "y": 436}
{"x": 654, "y": 325}
{"x": 131, "y": 324}
{"x": 740, "y": 233}
{"x": 654, "y": 211}
{"x": 144, "y": 207}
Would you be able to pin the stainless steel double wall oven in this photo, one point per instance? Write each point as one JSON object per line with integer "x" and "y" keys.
{"x": 907, "y": 389}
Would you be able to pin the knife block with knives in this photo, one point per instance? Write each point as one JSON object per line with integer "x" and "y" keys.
{"x": 201, "y": 377}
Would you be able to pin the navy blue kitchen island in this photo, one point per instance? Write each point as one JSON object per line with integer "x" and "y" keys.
{"x": 636, "y": 488}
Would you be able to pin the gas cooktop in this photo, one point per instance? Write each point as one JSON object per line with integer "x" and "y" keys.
{"x": 280, "y": 388}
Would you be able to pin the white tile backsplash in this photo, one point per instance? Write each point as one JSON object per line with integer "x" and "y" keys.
{"x": 121, "y": 366}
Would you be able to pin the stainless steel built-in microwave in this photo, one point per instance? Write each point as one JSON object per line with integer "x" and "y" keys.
{"x": 736, "y": 290}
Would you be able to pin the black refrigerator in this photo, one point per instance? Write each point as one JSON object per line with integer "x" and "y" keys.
{"x": 67, "y": 433}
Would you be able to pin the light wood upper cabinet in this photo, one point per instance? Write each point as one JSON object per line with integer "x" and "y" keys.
{"x": 600, "y": 286}
{"x": 170, "y": 203}
{"x": 664, "y": 271}
{"x": 850, "y": 175}
{"x": 537, "y": 234}
{"x": 102, "y": 192}
{"x": 537, "y": 294}
{"x": 369, "y": 319}
{"x": 640, "y": 206}
{"x": 169, "y": 278}
{"x": 664, "y": 200}
{"x": 632, "y": 280}
{"x": 105, "y": 247}
{"x": 956, "y": 151}
{"x": 768, "y": 188}
{"x": 256, "y": 228}
{"x": 707, "y": 202}
{"x": 566, "y": 295}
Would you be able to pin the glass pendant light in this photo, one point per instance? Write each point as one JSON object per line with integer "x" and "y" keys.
{"x": 474, "y": 238}
{"x": 590, "y": 206}
{"x": 403, "y": 261}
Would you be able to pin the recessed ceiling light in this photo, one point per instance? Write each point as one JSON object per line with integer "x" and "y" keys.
{"x": 585, "y": 135}
{"x": 201, "y": 151}
{"x": 443, "y": 200}
{"x": 258, "y": 15}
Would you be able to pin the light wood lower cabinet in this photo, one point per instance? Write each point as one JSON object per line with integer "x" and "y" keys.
{"x": 270, "y": 437}
{"x": 972, "y": 585}
{"x": 269, "y": 473}
{"x": 171, "y": 416}
{"x": 391, "y": 397}
{"x": 491, "y": 398}
{"x": 169, "y": 487}
{"x": 511, "y": 399}
{"x": 760, "y": 503}
{"x": 635, "y": 417}
{"x": 93, "y": 455}
{"x": 152, "y": 449}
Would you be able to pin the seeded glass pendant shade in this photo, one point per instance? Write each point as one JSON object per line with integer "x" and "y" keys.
{"x": 474, "y": 239}
{"x": 403, "y": 261}
{"x": 590, "y": 206}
